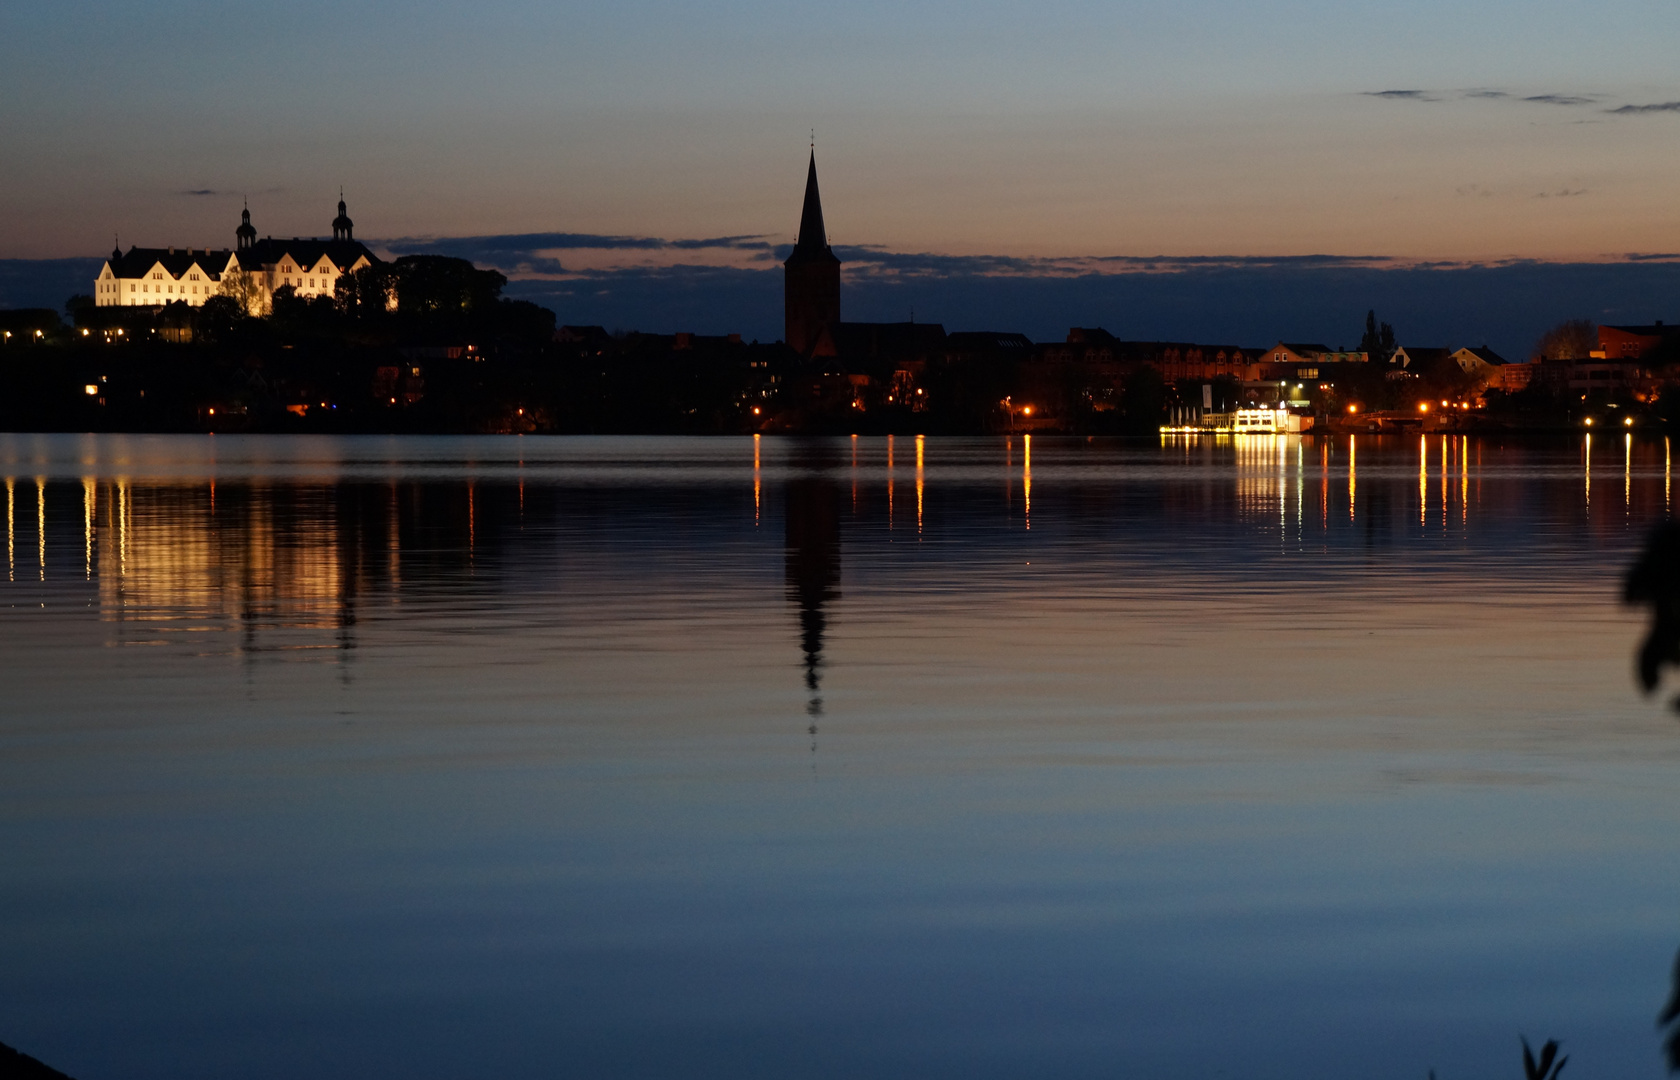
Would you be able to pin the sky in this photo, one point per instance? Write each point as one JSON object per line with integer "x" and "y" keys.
{"x": 1061, "y": 138}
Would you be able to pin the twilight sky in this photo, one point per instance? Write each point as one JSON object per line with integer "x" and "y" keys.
{"x": 1059, "y": 128}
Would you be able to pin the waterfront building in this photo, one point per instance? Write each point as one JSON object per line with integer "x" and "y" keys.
{"x": 1633, "y": 342}
{"x": 1311, "y": 355}
{"x": 251, "y": 272}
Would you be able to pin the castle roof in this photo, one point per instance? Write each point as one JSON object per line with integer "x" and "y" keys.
{"x": 813, "y": 236}
{"x": 177, "y": 261}
{"x": 305, "y": 252}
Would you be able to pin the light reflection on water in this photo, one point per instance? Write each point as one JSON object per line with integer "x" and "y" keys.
{"x": 440, "y": 757}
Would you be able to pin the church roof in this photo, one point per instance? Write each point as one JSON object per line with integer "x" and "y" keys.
{"x": 813, "y": 236}
{"x": 177, "y": 261}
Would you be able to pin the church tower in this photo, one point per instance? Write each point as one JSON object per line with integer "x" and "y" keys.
{"x": 811, "y": 285}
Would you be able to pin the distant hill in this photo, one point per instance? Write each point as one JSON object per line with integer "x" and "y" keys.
{"x": 36, "y": 283}
{"x": 16, "y": 1066}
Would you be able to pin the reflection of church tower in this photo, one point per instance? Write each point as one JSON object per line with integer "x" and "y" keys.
{"x": 247, "y": 235}
{"x": 342, "y": 225}
{"x": 813, "y": 568}
{"x": 811, "y": 287}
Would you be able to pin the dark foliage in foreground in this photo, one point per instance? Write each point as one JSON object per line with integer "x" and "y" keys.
{"x": 1654, "y": 582}
{"x": 1549, "y": 1065}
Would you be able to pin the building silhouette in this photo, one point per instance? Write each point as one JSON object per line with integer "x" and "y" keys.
{"x": 811, "y": 283}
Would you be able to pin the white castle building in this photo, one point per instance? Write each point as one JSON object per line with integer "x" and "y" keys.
{"x": 151, "y": 277}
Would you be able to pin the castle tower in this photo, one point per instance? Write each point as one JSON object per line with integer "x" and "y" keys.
{"x": 811, "y": 282}
{"x": 342, "y": 225}
{"x": 246, "y": 234}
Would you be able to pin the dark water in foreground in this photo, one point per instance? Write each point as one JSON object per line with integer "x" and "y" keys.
{"x": 650, "y": 757}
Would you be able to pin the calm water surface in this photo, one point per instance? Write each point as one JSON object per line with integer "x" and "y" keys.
{"x": 721, "y": 758}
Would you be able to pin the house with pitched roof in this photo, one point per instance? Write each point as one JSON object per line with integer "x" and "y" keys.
{"x": 1483, "y": 362}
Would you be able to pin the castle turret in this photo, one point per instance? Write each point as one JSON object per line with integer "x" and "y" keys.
{"x": 811, "y": 281}
{"x": 246, "y": 234}
{"x": 342, "y": 226}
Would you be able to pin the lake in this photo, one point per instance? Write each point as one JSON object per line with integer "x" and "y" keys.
{"x": 642, "y": 757}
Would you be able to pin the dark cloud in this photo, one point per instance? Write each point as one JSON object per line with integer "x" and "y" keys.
{"x": 516, "y": 242}
{"x": 1561, "y": 193}
{"x": 1490, "y": 94}
{"x": 1505, "y": 305}
{"x": 524, "y": 253}
{"x": 200, "y": 191}
{"x": 1559, "y": 99}
{"x": 1244, "y": 261}
{"x": 749, "y": 243}
{"x": 1632, "y": 110}
{"x": 1402, "y": 95}
{"x": 1652, "y": 256}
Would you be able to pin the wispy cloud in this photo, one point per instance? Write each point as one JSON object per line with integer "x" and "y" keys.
{"x": 875, "y": 262}
{"x": 1561, "y": 193}
{"x": 1484, "y": 94}
{"x": 1633, "y": 110}
{"x": 200, "y": 191}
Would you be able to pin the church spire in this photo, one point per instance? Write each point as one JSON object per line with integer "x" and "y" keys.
{"x": 811, "y": 281}
{"x": 813, "y": 237}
